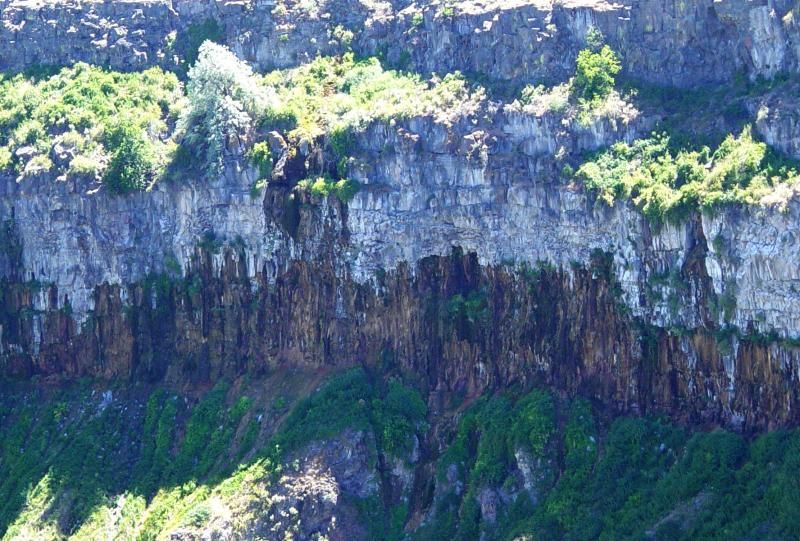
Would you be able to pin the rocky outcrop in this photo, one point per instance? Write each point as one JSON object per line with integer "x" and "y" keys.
{"x": 777, "y": 118}
{"x": 468, "y": 262}
{"x": 467, "y": 257}
{"x": 510, "y": 43}
{"x": 309, "y": 501}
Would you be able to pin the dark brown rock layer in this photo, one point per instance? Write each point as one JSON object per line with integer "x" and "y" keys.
{"x": 454, "y": 325}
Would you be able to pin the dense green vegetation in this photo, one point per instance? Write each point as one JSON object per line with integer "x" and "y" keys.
{"x": 76, "y": 465}
{"x": 223, "y": 103}
{"x": 81, "y": 452}
{"x": 393, "y": 412}
{"x": 123, "y": 128}
{"x": 666, "y": 181}
{"x": 666, "y": 176}
{"x": 69, "y": 461}
{"x": 331, "y": 95}
{"x": 84, "y": 120}
{"x": 617, "y": 482}
{"x": 344, "y": 189}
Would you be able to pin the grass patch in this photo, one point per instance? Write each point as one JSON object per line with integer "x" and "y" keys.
{"x": 344, "y": 189}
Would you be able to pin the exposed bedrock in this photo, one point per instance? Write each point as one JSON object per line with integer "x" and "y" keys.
{"x": 683, "y": 43}
{"x": 462, "y": 259}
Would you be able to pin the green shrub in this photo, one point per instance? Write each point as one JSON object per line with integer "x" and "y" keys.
{"x": 6, "y": 158}
{"x": 397, "y": 417}
{"x": 343, "y": 36}
{"x": 554, "y": 99}
{"x": 84, "y": 165}
{"x": 40, "y": 163}
{"x": 261, "y": 157}
{"x": 609, "y": 481}
{"x": 343, "y": 189}
{"x": 346, "y": 189}
{"x": 341, "y": 141}
{"x": 30, "y": 132}
{"x": 133, "y": 163}
{"x": 595, "y": 38}
{"x": 249, "y": 438}
{"x": 79, "y": 108}
{"x": 665, "y": 181}
{"x": 533, "y": 424}
{"x": 224, "y": 99}
{"x": 595, "y": 74}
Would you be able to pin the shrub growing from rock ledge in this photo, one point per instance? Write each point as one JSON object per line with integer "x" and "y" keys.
{"x": 666, "y": 182}
{"x": 595, "y": 74}
{"x": 344, "y": 189}
{"x": 133, "y": 163}
{"x": 588, "y": 95}
{"x": 261, "y": 157}
{"x": 224, "y": 100}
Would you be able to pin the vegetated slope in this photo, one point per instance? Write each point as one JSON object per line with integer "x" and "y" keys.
{"x": 364, "y": 459}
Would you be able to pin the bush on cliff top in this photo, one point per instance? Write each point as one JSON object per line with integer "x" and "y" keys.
{"x": 333, "y": 94}
{"x": 587, "y": 95}
{"x": 665, "y": 182}
{"x": 595, "y": 73}
{"x": 133, "y": 162}
{"x": 72, "y": 116}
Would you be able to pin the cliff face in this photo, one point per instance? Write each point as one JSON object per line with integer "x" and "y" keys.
{"x": 211, "y": 275}
{"x": 475, "y": 345}
{"x": 677, "y": 42}
{"x": 198, "y": 281}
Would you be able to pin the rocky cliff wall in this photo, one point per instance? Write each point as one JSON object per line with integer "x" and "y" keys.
{"x": 196, "y": 280}
{"x": 683, "y": 43}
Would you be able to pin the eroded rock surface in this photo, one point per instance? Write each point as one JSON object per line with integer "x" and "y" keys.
{"x": 308, "y": 501}
{"x": 683, "y": 43}
{"x": 248, "y": 284}
{"x": 204, "y": 279}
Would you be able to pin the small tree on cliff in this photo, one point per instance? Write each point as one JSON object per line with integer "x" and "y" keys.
{"x": 224, "y": 99}
{"x": 595, "y": 73}
{"x": 133, "y": 162}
